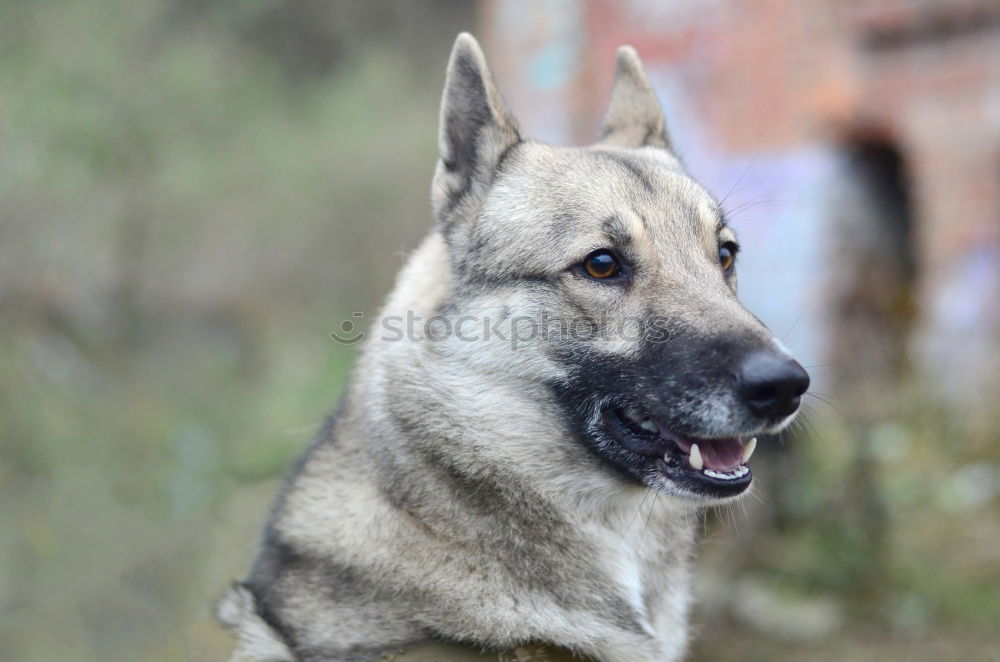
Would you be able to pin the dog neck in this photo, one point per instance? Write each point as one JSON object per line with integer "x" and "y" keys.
{"x": 440, "y": 509}
{"x": 482, "y": 471}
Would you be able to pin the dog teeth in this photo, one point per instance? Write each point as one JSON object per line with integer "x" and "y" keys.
{"x": 648, "y": 425}
{"x": 749, "y": 449}
{"x": 695, "y": 458}
{"x": 739, "y": 472}
{"x": 698, "y": 463}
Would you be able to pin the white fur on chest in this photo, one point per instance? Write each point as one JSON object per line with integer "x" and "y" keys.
{"x": 647, "y": 545}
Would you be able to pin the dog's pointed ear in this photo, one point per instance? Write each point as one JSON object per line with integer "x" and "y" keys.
{"x": 476, "y": 129}
{"x": 634, "y": 117}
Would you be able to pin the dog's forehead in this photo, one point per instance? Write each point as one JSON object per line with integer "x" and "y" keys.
{"x": 591, "y": 185}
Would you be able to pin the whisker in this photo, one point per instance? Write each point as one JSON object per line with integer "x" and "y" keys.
{"x": 648, "y": 515}
{"x": 748, "y": 205}
{"x": 804, "y": 425}
{"x": 826, "y": 401}
{"x": 734, "y": 519}
{"x": 794, "y": 324}
{"x": 632, "y": 521}
{"x": 807, "y": 430}
{"x": 733, "y": 188}
{"x": 703, "y": 516}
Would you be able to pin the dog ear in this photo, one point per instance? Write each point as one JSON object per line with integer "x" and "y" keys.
{"x": 634, "y": 117}
{"x": 476, "y": 129}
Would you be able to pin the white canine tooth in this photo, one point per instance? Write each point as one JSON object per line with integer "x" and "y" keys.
{"x": 695, "y": 458}
{"x": 749, "y": 449}
{"x": 648, "y": 425}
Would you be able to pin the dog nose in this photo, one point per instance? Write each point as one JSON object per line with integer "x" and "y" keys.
{"x": 771, "y": 385}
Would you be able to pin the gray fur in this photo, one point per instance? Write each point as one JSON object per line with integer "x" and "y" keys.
{"x": 633, "y": 118}
{"x": 452, "y": 498}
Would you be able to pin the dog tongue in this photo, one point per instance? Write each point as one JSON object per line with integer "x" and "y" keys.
{"x": 717, "y": 454}
{"x": 722, "y": 454}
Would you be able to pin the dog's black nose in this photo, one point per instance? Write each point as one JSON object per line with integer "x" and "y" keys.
{"x": 772, "y": 385}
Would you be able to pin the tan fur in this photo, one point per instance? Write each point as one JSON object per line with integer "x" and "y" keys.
{"x": 449, "y": 500}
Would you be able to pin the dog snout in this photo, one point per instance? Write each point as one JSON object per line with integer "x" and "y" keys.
{"x": 771, "y": 385}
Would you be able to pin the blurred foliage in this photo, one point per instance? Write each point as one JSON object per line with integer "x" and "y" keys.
{"x": 912, "y": 569}
{"x": 192, "y": 194}
{"x": 191, "y": 197}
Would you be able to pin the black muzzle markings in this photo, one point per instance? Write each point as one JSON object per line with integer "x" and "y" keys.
{"x": 687, "y": 410}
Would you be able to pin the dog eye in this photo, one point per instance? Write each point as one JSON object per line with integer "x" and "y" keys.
{"x": 727, "y": 255}
{"x": 601, "y": 264}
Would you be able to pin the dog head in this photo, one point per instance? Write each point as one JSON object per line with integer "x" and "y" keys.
{"x": 625, "y": 269}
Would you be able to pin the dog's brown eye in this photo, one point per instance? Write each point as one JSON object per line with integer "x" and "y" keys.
{"x": 727, "y": 255}
{"x": 601, "y": 264}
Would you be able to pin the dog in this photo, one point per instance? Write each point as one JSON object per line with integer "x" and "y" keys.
{"x": 537, "y": 480}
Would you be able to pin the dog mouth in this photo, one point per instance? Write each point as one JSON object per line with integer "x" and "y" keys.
{"x": 710, "y": 467}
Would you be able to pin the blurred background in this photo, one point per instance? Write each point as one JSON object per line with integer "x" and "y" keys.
{"x": 194, "y": 193}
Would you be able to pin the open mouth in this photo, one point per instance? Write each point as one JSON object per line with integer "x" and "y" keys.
{"x": 713, "y": 467}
